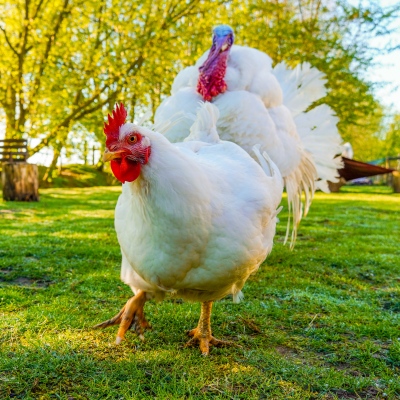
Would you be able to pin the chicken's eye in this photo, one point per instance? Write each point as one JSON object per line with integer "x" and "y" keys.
{"x": 132, "y": 139}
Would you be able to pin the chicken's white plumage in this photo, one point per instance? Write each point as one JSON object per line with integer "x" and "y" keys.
{"x": 268, "y": 106}
{"x": 200, "y": 219}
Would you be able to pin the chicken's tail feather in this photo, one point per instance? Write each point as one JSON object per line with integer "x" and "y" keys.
{"x": 204, "y": 128}
{"x": 264, "y": 160}
{"x": 165, "y": 125}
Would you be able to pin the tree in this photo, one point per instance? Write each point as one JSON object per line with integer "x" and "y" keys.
{"x": 391, "y": 146}
{"x": 67, "y": 59}
{"x": 65, "y": 63}
{"x": 334, "y": 37}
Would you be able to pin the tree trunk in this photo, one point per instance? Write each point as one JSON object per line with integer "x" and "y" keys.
{"x": 11, "y": 132}
{"x": 86, "y": 152}
{"x": 100, "y": 163}
{"x": 20, "y": 182}
{"x": 49, "y": 172}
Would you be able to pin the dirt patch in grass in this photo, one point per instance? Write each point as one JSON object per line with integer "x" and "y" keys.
{"x": 5, "y": 272}
{"x": 369, "y": 393}
{"x": 27, "y": 282}
{"x": 8, "y": 211}
{"x": 286, "y": 351}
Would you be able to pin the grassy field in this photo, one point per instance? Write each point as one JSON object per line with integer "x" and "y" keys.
{"x": 319, "y": 322}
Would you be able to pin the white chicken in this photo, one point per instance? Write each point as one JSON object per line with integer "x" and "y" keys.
{"x": 194, "y": 219}
{"x": 262, "y": 105}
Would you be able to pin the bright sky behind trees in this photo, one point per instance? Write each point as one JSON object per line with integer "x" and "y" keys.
{"x": 387, "y": 69}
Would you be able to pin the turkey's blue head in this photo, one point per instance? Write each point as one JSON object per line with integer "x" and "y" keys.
{"x": 211, "y": 78}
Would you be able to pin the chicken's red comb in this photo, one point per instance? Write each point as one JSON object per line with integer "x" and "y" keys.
{"x": 111, "y": 129}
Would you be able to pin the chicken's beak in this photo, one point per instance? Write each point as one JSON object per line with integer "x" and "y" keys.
{"x": 111, "y": 155}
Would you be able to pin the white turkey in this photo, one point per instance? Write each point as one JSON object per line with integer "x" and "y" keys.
{"x": 194, "y": 219}
{"x": 261, "y": 104}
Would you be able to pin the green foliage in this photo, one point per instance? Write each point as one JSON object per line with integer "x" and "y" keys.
{"x": 318, "y": 322}
{"x": 382, "y": 143}
{"x": 392, "y": 143}
{"x": 66, "y": 60}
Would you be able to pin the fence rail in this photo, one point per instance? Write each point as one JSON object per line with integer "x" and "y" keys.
{"x": 13, "y": 150}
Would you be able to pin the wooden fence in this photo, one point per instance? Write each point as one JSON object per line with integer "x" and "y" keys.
{"x": 19, "y": 179}
{"x": 13, "y": 150}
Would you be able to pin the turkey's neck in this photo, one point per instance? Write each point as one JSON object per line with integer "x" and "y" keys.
{"x": 211, "y": 81}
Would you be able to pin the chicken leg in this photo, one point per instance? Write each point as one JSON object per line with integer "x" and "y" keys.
{"x": 202, "y": 333}
{"x": 130, "y": 317}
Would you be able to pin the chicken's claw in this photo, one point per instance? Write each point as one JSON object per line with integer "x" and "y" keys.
{"x": 131, "y": 317}
{"x": 205, "y": 341}
{"x": 201, "y": 335}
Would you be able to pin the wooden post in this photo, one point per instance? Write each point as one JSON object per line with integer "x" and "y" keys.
{"x": 335, "y": 187}
{"x": 20, "y": 181}
{"x": 85, "y": 152}
{"x": 396, "y": 181}
{"x": 388, "y": 177}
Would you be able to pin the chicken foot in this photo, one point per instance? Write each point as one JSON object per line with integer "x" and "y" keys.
{"x": 130, "y": 317}
{"x": 202, "y": 333}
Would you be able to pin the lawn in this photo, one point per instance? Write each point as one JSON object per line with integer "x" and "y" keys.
{"x": 319, "y": 322}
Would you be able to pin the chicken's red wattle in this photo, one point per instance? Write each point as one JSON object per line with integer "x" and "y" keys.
{"x": 125, "y": 170}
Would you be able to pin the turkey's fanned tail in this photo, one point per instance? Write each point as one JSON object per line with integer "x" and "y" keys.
{"x": 317, "y": 128}
{"x": 301, "y": 86}
{"x": 319, "y": 137}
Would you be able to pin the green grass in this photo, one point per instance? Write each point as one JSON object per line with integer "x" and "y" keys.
{"x": 77, "y": 175}
{"x": 319, "y": 322}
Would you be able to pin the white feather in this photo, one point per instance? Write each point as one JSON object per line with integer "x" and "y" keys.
{"x": 205, "y": 126}
{"x": 199, "y": 219}
{"x": 269, "y": 107}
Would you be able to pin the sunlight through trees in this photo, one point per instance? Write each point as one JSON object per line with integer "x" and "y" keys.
{"x": 65, "y": 63}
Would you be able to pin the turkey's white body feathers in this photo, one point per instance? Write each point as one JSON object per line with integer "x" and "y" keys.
{"x": 268, "y": 106}
{"x": 201, "y": 217}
